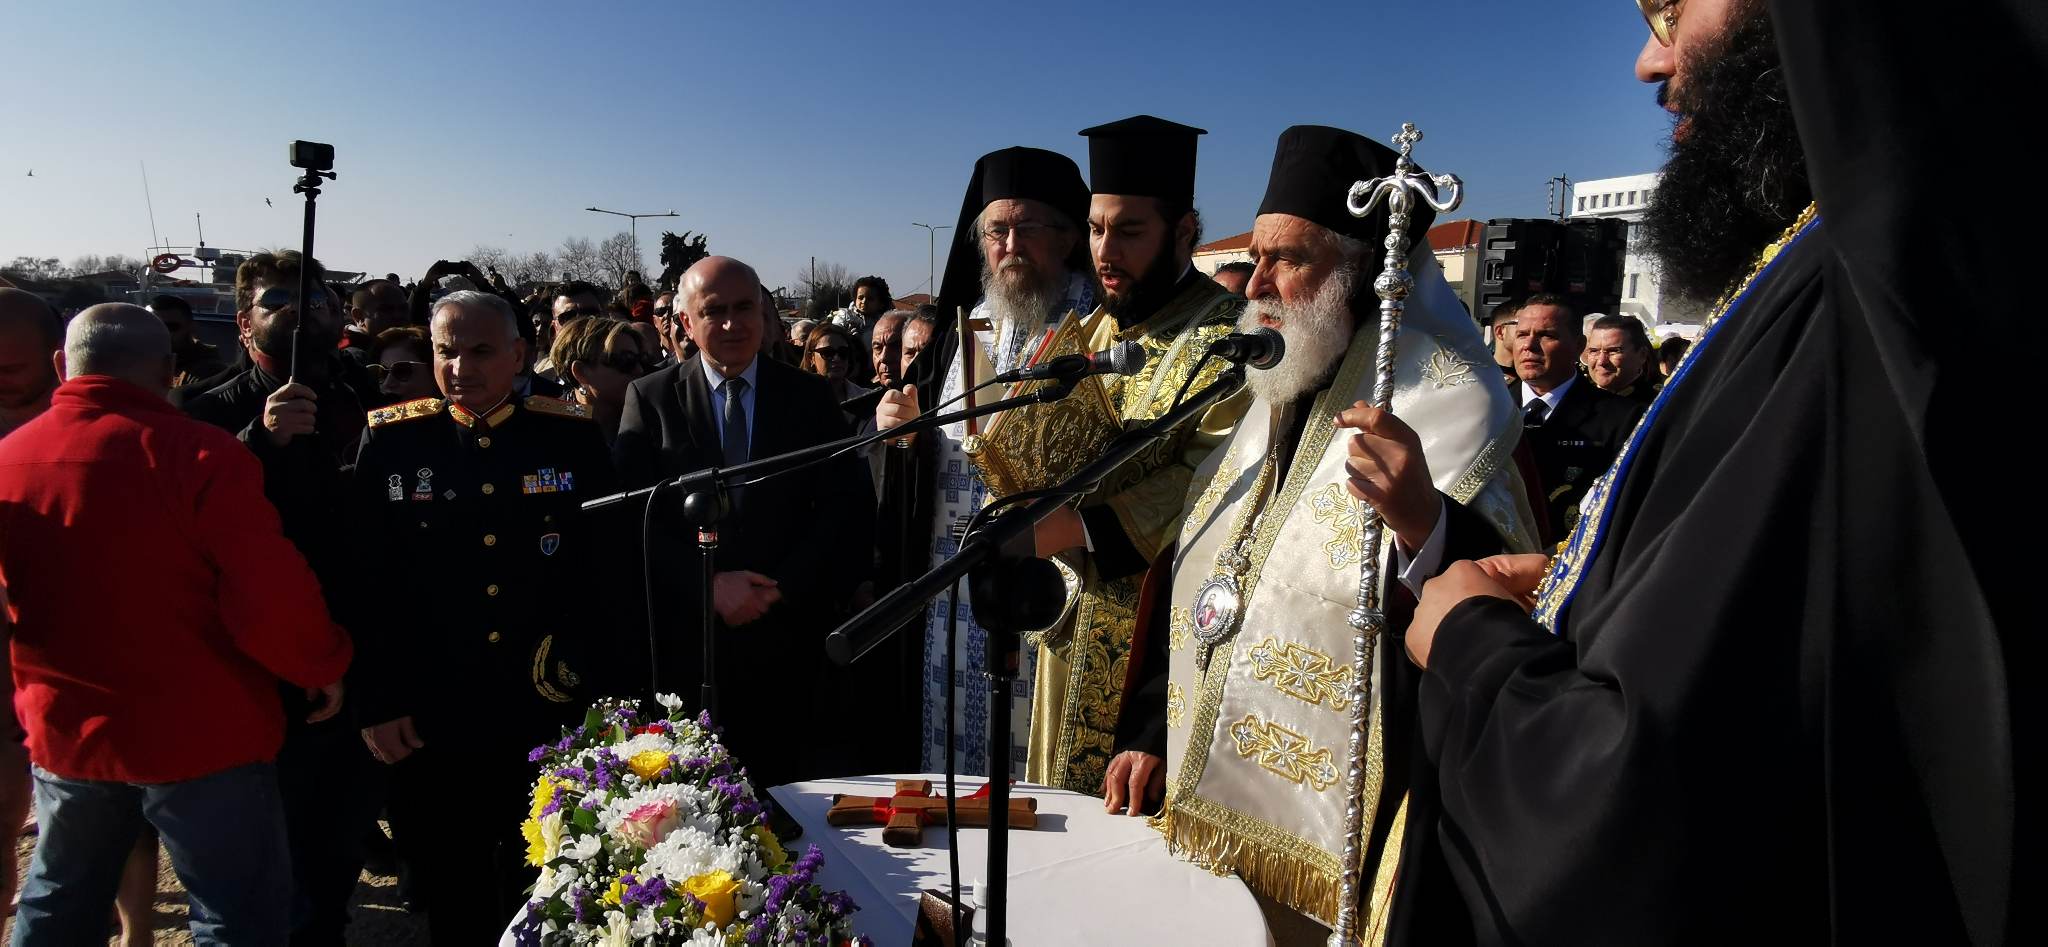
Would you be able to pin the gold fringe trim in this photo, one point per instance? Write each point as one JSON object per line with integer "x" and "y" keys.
{"x": 1299, "y": 884}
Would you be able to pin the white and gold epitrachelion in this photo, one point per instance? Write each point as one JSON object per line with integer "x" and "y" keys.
{"x": 1258, "y": 717}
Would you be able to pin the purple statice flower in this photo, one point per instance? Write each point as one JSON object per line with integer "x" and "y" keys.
{"x": 577, "y": 774}
{"x": 578, "y": 895}
{"x": 704, "y": 720}
{"x": 649, "y": 894}
{"x": 555, "y": 802}
{"x": 539, "y": 753}
{"x": 589, "y": 803}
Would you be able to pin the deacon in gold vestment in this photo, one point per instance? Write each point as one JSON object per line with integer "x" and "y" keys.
{"x": 1257, "y": 673}
{"x": 1142, "y": 230}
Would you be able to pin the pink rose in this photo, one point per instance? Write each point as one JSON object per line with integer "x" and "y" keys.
{"x": 650, "y": 823}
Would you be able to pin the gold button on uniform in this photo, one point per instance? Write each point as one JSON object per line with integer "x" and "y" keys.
{"x": 489, "y": 489}
{"x": 483, "y": 442}
{"x": 492, "y": 637}
{"x": 490, "y": 540}
{"x": 491, "y": 589}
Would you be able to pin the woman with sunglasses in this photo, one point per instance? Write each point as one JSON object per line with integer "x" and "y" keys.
{"x": 600, "y": 356}
{"x": 402, "y": 365}
{"x": 829, "y": 351}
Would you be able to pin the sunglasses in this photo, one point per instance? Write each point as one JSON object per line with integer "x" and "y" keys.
{"x": 399, "y": 372}
{"x": 283, "y": 297}
{"x": 628, "y": 362}
{"x": 577, "y": 312}
{"x": 1662, "y": 16}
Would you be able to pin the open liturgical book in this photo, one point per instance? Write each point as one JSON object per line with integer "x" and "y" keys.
{"x": 1039, "y": 445}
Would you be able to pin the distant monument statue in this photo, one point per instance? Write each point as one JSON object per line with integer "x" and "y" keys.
{"x": 677, "y": 253}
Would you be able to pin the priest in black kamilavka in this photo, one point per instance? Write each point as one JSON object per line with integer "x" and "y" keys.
{"x": 1765, "y": 691}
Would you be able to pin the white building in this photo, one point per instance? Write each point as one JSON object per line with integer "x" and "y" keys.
{"x": 1641, "y": 294}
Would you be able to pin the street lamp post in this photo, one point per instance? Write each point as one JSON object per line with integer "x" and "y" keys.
{"x": 931, "y": 276}
{"x": 633, "y": 225}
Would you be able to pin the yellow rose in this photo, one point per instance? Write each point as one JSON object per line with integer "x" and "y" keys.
{"x": 543, "y": 793}
{"x": 716, "y": 890}
{"x": 772, "y": 854}
{"x": 648, "y": 764}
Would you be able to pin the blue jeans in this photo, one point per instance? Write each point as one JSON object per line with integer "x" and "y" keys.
{"x": 225, "y": 835}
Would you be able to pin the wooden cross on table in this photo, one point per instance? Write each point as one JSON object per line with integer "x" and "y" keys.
{"x": 904, "y": 815}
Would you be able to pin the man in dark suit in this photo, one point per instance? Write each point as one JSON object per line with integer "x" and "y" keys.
{"x": 1573, "y": 428}
{"x": 790, "y": 551}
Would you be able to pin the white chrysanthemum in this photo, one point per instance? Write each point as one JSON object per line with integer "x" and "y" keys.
{"x": 585, "y": 847}
{"x": 618, "y": 932}
{"x": 641, "y": 743}
{"x": 688, "y": 852}
{"x": 749, "y": 899}
{"x": 706, "y": 936}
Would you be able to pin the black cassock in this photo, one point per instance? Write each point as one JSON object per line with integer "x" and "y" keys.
{"x": 1781, "y": 706}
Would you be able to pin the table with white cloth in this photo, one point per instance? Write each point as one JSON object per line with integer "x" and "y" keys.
{"x": 1083, "y": 876}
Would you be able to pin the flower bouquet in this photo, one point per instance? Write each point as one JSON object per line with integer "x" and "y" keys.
{"x": 645, "y": 831}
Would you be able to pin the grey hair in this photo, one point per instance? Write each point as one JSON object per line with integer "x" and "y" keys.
{"x": 1351, "y": 248}
{"x": 117, "y": 339}
{"x": 479, "y": 300}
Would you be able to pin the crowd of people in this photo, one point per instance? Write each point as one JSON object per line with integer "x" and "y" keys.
{"x": 1640, "y": 600}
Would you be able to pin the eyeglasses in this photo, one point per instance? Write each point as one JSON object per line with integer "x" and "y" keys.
{"x": 832, "y": 351}
{"x": 1026, "y": 230}
{"x": 398, "y": 372}
{"x": 282, "y": 297}
{"x": 1662, "y": 16}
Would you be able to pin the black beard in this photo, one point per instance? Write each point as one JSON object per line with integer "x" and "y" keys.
{"x": 1738, "y": 177}
{"x": 1148, "y": 292}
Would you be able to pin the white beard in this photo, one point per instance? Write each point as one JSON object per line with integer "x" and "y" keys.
{"x": 1018, "y": 311}
{"x": 1317, "y": 332}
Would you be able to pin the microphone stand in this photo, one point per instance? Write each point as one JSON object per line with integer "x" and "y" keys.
{"x": 1013, "y": 591}
{"x": 707, "y": 502}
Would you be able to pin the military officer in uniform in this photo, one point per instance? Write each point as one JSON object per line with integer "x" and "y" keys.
{"x": 475, "y": 652}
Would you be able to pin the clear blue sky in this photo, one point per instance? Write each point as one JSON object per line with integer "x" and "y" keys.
{"x": 783, "y": 130}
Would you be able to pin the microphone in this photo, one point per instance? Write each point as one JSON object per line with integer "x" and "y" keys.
{"x": 1259, "y": 349}
{"x": 1127, "y": 358}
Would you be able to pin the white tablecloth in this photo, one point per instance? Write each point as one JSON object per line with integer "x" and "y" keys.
{"x": 1081, "y": 877}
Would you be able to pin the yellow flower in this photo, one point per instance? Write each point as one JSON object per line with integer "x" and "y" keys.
{"x": 772, "y": 854}
{"x": 716, "y": 890}
{"x": 543, "y": 838}
{"x": 648, "y": 764}
{"x": 543, "y": 793}
{"x": 616, "y": 893}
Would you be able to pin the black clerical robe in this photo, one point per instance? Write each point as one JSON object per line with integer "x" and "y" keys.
{"x": 1779, "y": 705}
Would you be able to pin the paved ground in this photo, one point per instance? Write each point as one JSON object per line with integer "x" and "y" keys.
{"x": 378, "y": 918}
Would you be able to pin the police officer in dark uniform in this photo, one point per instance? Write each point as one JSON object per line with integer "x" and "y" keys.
{"x": 486, "y": 642}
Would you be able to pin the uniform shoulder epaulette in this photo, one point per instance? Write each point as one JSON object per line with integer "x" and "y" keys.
{"x": 423, "y": 408}
{"x": 564, "y": 409}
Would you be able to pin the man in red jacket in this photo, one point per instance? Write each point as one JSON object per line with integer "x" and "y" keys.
{"x": 154, "y": 605}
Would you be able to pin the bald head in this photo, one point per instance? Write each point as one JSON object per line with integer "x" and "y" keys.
{"x": 121, "y": 341}
{"x": 713, "y": 270}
